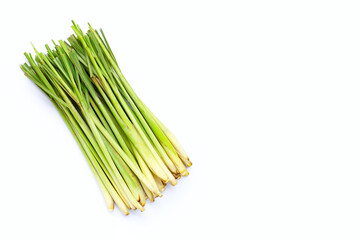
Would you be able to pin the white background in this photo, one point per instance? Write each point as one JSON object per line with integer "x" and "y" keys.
{"x": 263, "y": 95}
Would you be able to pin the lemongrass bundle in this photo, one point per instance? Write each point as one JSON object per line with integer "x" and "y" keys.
{"x": 131, "y": 153}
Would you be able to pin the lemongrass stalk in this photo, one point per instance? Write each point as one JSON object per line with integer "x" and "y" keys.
{"x": 56, "y": 101}
{"x": 148, "y": 193}
{"x": 91, "y": 119}
{"x": 152, "y": 120}
{"x": 146, "y": 171}
{"x": 122, "y": 154}
{"x": 107, "y": 173}
{"x": 128, "y": 128}
{"x": 165, "y": 148}
{"x": 97, "y": 142}
{"x": 48, "y": 92}
{"x": 135, "y": 188}
{"x": 168, "y": 166}
{"x": 137, "y": 141}
{"x": 113, "y": 94}
{"x": 142, "y": 199}
{"x": 159, "y": 183}
{"x": 108, "y": 198}
{"x": 140, "y": 121}
{"x": 152, "y": 123}
{"x": 179, "y": 149}
{"x": 100, "y": 110}
{"x": 55, "y": 75}
{"x": 127, "y": 174}
{"x": 144, "y": 168}
{"x": 147, "y": 142}
{"x": 73, "y": 111}
{"x": 177, "y": 161}
{"x": 119, "y": 200}
{"x": 118, "y": 129}
{"x": 38, "y": 72}
{"x": 75, "y": 129}
{"x": 106, "y": 160}
{"x": 97, "y": 156}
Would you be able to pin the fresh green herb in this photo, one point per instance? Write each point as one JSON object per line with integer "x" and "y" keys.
{"x": 131, "y": 153}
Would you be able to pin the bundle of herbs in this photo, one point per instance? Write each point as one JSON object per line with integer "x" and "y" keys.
{"x": 131, "y": 153}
